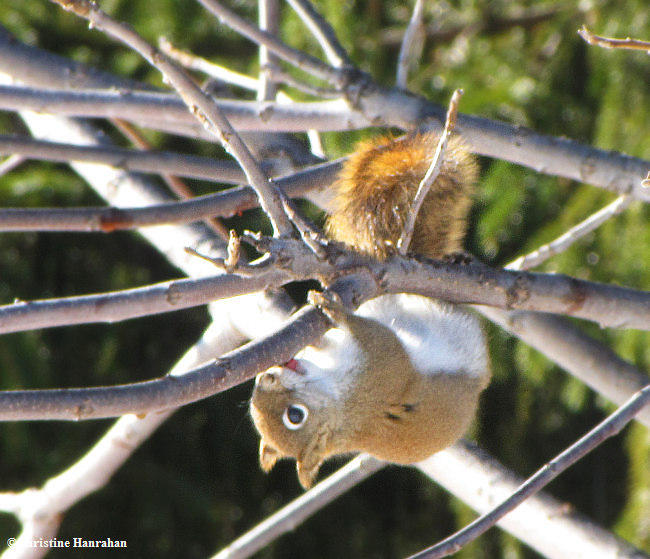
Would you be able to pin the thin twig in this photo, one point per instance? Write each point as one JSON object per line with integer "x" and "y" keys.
{"x": 200, "y": 64}
{"x": 295, "y": 513}
{"x": 10, "y": 164}
{"x": 234, "y": 252}
{"x": 609, "y": 43}
{"x": 193, "y": 166}
{"x": 107, "y": 219}
{"x": 279, "y": 75}
{"x": 269, "y": 22}
{"x": 411, "y": 46}
{"x": 564, "y": 241}
{"x": 198, "y": 102}
{"x": 606, "y": 429}
{"x": 299, "y": 183}
{"x": 322, "y": 32}
{"x": 299, "y": 59}
{"x": 310, "y": 235}
{"x": 431, "y": 175}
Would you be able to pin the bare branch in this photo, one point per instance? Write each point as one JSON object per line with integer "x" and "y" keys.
{"x": 269, "y": 21}
{"x": 175, "y": 184}
{"x": 553, "y": 156}
{"x": 305, "y": 327}
{"x": 606, "y": 429}
{"x": 587, "y": 359}
{"x": 295, "y": 513}
{"x": 131, "y": 303}
{"x": 411, "y": 45}
{"x": 608, "y": 43}
{"x": 151, "y": 161}
{"x": 167, "y": 392}
{"x": 550, "y": 155}
{"x": 564, "y": 241}
{"x": 299, "y": 59}
{"x": 609, "y": 305}
{"x": 279, "y": 75}
{"x": 550, "y": 526}
{"x": 106, "y": 219}
{"x": 198, "y": 102}
{"x": 194, "y": 62}
{"x": 431, "y": 175}
{"x": 547, "y": 525}
{"x": 323, "y": 32}
{"x": 165, "y": 111}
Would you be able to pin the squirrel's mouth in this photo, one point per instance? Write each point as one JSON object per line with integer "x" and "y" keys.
{"x": 295, "y": 366}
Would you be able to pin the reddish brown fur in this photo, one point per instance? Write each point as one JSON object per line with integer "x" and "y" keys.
{"x": 378, "y": 183}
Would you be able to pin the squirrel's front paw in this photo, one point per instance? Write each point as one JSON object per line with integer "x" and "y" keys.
{"x": 330, "y": 303}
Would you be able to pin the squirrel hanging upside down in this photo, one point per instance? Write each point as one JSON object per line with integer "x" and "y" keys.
{"x": 400, "y": 378}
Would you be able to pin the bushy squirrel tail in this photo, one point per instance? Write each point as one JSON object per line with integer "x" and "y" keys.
{"x": 376, "y": 187}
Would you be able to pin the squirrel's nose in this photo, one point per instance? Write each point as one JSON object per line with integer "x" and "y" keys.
{"x": 267, "y": 380}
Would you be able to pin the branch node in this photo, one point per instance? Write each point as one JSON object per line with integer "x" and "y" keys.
{"x": 234, "y": 252}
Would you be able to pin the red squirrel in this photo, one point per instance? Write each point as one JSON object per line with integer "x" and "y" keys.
{"x": 400, "y": 378}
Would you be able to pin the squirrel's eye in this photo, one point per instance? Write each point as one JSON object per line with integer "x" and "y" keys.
{"x": 294, "y": 416}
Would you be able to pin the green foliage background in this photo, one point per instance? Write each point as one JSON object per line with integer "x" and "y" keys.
{"x": 195, "y": 484}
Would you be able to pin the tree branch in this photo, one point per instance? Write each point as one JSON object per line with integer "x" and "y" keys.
{"x": 587, "y": 359}
{"x": 292, "y": 260}
{"x": 608, "y": 43}
{"x": 411, "y": 45}
{"x": 131, "y": 303}
{"x": 41, "y": 510}
{"x": 193, "y": 62}
{"x": 322, "y": 32}
{"x": 564, "y": 241}
{"x": 200, "y": 104}
{"x": 551, "y": 527}
{"x": 431, "y": 175}
{"x": 170, "y": 391}
{"x": 149, "y": 161}
{"x": 295, "y": 57}
{"x": 546, "y": 154}
{"x": 107, "y": 219}
{"x": 297, "y": 511}
{"x": 165, "y": 111}
{"x": 305, "y": 328}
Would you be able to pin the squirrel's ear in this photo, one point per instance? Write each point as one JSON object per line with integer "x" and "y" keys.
{"x": 307, "y": 473}
{"x": 309, "y": 461}
{"x": 268, "y": 456}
